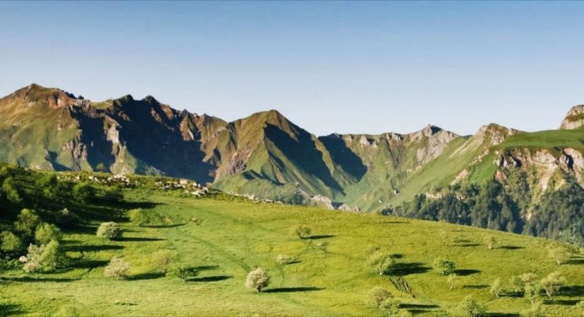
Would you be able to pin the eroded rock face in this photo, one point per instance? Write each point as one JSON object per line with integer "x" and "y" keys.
{"x": 574, "y": 119}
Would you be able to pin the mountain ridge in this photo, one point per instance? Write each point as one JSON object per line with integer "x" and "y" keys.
{"x": 263, "y": 154}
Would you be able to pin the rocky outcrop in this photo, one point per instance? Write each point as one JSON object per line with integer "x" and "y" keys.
{"x": 574, "y": 119}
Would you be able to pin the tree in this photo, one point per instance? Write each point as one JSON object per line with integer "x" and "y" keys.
{"x": 530, "y": 287}
{"x": 162, "y": 259}
{"x": 552, "y": 283}
{"x": 117, "y": 268}
{"x": 257, "y": 279}
{"x": 536, "y": 310}
{"x": 303, "y": 231}
{"x": 496, "y": 288}
{"x": 67, "y": 219}
{"x": 490, "y": 241}
{"x": 559, "y": 254}
{"x": 46, "y": 232}
{"x": 10, "y": 242}
{"x": 452, "y": 279}
{"x": 381, "y": 261}
{"x": 26, "y": 223}
{"x": 472, "y": 307}
{"x": 377, "y": 296}
{"x": 517, "y": 283}
{"x": 184, "y": 272}
{"x": 443, "y": 266}
{"x": 83, "y": 192}
{"x": 109, "y": 230}
{"x": 44, "y": 258}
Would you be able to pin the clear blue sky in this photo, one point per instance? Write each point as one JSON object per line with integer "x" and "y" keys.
{"x": 360, "y": 67}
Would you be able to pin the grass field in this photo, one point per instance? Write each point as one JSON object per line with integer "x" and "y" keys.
{"x": 230, "y": 237}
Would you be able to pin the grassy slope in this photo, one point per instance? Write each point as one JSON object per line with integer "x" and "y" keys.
{"x": 236, "y": 236}
{"x": 546, "y": 139}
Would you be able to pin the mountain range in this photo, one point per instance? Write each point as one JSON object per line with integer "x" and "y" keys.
{"x": 269, "y": 157}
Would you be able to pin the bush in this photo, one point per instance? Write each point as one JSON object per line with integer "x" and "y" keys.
{"x": 443, "y": 266}
{"x": 46, "y": 232}
{"x": 184, "y": 272}
{"x": 490, "y": 241}
{"x": 381, "y": 261}
{"x": 109, "y": 230}
{"x": 138, "y": 216}
{"x": 472, "y": 307}
{"x": 284, "y": 259}
{"x": 26, "y": 223}
{"x": 257, "y": 279}
{"x": 303, "y": 231}
{"x": 496, "y": 288}
{"x": 10, "y": 242}
{"x": 117, "y": 268}
{"x": 44, "y": 258}
{"x": 377, "y": 296}
{"x": 552, "y": 283}
{"x": 67, "y": 219}
{"x": 162, "y": 259}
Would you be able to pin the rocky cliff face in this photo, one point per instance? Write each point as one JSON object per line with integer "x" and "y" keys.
{"x": 574, "y": 119}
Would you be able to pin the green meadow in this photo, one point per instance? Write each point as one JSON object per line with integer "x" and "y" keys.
{"x": 223, "y": 238}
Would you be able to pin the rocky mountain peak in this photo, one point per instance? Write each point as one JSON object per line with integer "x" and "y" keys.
{"x": 574, "y": 119}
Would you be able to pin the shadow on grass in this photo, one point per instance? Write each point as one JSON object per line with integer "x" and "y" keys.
{"x": 562, "y": 302}
{"x": 91, "y": 248}
{"x": 322, "y": 236}
{"x": 475, "y": 286}
{"x": 404, "y": 269}
{"x": 575, "y": 290}
{"x": 293, "y": 289}
{"x": 138, "y": 239}
{"x": 466, "y": 272}
{"x": 89, "y": 264}
{"x": 512, "y": 294}
{"x": 501, "y": 315}
{"x": 511, "y": 247}
{"x": 206, "y": 267}
{"x": 84, "y": 229}
{"x": 466, "y": 245}
{"x": 30, "y": 279}
{"x": 416, "y": 309}
{"x": 10, "y": 310}
{"x": 575, "y": 261}
{"x": 163, "y": 226}
{"x": 147, "y": 276}
{"x": 211, "y": 278}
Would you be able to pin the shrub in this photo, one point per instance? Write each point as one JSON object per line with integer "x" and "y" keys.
{"x": 536, "y": 310}
{"x": 46, "y": 232}
{"x": 443, "y": 266}
{"x": 472, "y": 307}
{"x": 257, "y": 279}
{"x": 377, "y": 296}
{"x": 162, "y": 260}
{"x": 184, "y": 272}
{"x": 490, "y": 241}
{"x": 117, "y": 268}
{"x": 496, "y": 288}
{"x": 303, "y": 231}
{"x": 381, "y": 261}
{"x": 559, "y": 254}
{"x": 26, "y": 223}
{"x": 109, "y": 230}
{"x": 10, "y": 242}
{"x": 44, "y": 258}
{"x": 452, "y": 279}
{"x": 552, "y": 283}
{"x": 283, "y": 259}
{"x": 138, "y": 217}
{"x": 67, "y": 219}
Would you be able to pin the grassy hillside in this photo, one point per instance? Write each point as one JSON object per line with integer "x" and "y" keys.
{"x": 225, "y": 238}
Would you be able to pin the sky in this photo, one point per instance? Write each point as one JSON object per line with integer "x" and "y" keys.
{"x": 344, "y": 67}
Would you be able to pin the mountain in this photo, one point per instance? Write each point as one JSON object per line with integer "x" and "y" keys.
{"x": 267, "y": 156}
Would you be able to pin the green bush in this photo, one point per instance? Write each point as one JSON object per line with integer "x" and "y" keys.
{"x": 26, "y": 223}
{"x": 109, "y": 230}
{"x": 10, "y": 242}
{"x": 302, "y": 231}
{"x": 44, "y": 258}
{"x": 67, "y": 219}
{"x": 184, "y": 272}
{"x": 443, "y": 266}
{"x": 381, "y": 261}
{"x": 377, "y": 296}
{"x": 117, "y": 268}
{"x": 257, "y": 279}
{"x": 46, "y": 232}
